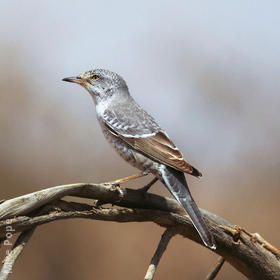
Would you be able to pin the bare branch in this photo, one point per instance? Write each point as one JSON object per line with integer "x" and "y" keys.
{"x": 14, "y": 253}
{"x": 253, "y": 258}
{"x": 165, "y": 238}
{"x": 106, "y": 193}
{"x": 214, "y": 272}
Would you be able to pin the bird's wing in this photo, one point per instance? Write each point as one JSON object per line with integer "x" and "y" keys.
{"x": 130, "y": 120}
{"x": 148, "y": 138}
{"x": 162, "y": 149}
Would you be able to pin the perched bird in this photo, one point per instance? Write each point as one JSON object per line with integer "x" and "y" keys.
{"x": 138, "y": 139}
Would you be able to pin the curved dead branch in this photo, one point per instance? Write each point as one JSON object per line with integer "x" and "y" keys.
{"x": 249, "y": 253}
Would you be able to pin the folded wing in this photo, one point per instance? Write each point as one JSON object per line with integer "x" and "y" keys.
{"x": 162, "y": 149}
{"x": 149, "y": 139}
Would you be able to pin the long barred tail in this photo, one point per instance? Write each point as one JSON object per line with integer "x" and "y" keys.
{"x": 176, "y": 183}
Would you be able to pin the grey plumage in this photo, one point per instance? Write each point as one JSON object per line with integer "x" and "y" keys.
{"x": 127, "y": 118}
{"x": 137, "y": 137}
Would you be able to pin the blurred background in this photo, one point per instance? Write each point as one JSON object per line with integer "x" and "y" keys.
{"x": 208, "y": 72}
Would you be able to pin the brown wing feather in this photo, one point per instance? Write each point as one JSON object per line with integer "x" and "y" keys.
{"x": 162, "y": 149}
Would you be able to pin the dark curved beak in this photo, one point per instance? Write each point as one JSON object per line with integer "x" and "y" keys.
{"x": 77, "y": 80}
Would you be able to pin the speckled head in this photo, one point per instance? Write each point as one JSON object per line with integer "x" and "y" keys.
{"x": 101, "y": 84}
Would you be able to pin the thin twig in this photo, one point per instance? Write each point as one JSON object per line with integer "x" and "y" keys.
{"x": 215, "y": 270}
{"x": 256, "y": 237}
{"x": 165, "y": 238}
{"x": 14, "y": 253}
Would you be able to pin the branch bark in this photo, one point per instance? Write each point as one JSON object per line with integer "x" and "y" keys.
{"x": 214, "y": 272}
{"x": 254, "y": 259}
{"x": 165, "y": 238}
{"x": 15, "y": 252}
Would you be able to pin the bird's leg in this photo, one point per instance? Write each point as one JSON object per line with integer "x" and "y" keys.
{"x": 147, "y": 187}
{"x": 129, "y": 178}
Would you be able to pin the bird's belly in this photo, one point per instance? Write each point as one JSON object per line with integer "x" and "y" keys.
{"x": 129, "y": 154}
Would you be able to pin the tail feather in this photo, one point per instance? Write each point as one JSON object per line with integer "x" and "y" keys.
{"x": 176, "y": 183}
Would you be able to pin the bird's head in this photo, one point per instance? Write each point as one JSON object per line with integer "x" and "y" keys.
{"x": 101, "y": 84}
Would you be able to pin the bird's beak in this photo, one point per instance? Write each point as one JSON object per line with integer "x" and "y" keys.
{"x": 77, "y": 80}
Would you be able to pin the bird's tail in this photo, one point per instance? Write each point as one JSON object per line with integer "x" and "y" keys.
{"x": 176, "y": 183}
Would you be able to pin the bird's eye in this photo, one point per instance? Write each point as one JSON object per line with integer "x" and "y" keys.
{"x": 95, "y": 77}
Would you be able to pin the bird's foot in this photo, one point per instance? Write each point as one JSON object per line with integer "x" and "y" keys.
{"x": 120, "y": 193}
{"x": 129, "y": 178}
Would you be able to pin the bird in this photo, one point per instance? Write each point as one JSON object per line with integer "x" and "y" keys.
{"x": 139, "y": 140}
